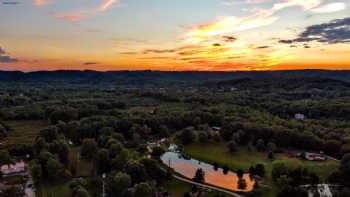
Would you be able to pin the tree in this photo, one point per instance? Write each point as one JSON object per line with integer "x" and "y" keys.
{"x": 120, "y": 161}
{"x": 5, "y": 158}
{"x": 199, "y": 176}
{"x": 270, "y": 155}
{"x": 240, "y": 173}
{"x": 345, "y": 169}
{"x": 88, "y": 148}
{"x": 13, "y": 191}
{"x": 292, "y": 192}
{"x": 118, "y": 184}
{"x": 187, "y": 136}
{"x": 242, "y": 184}
{"x": 203, "y": 137}
{"x": 154, "y": 170}
{"x": 164, "y": 131}
{"x": 63, "y": 152}
{"x": 260, "y": 170}
{"x": 102, "y": 161}
{"x": 260, "y": 145}
{"x": 36, "y": 171}
{"x": 78, "y": 187}
{"x": 344, "y": 193}
{"x": 3, "y": 131}
{"x": 157, "y": 152}
{"x": 137, "y": 171}
{"x": 279, "y": 169}
{"x": 115, "y": 149}
{"x": 225, "y": 169}
{"x": 345, "y": 164}
{"x": 232, "y": 146}
{"x": 54, "y": 169}
{"x": 81, "y": 192}
{"x": 271, "y": 147}
{"x": 283, "y": 181}
{"x": 332, "y": 147}
{"x": 143, "y": 190}
{"x": 216, "y": 166}
{"x": 251, "y": 171}
{"x": 49, "y": 134}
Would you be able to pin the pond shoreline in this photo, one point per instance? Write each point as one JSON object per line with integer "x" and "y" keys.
{"x": 215, "y": 177}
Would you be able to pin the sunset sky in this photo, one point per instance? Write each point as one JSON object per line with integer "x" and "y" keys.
{"x": 174, "y": 34}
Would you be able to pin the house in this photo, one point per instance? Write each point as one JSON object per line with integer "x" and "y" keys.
{"x": 315, "y": 157}
{"x": 299, "y": 116}
{"x": 18, "y": 167}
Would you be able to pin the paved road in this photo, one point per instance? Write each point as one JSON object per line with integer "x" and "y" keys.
{"x": 207, "y": 186}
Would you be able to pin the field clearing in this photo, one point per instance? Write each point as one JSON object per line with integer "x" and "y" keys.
{"x": 23, "y": 132}
{"x": 54, "y": 190}
{"x": 84, "y": 168}
{"x": 177, "y": 188}
{"x": 244, "y": 158}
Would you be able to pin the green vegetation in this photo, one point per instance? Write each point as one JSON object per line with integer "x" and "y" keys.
{"x": 80, "y": 124}
{"x": 244, "y": 158}
{"x": 23, "y": 132}
{"x": 54, "y": 190}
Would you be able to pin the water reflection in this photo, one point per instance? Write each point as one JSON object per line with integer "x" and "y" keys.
{"x": 187, "y": 167}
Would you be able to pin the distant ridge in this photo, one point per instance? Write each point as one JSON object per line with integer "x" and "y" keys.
{"x": 163, "y": 77}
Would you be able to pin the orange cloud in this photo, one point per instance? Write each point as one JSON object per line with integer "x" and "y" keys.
{"x": 71, "y": 17}
{"x": 106, "y": 4}
{"x": 40, "y": 2}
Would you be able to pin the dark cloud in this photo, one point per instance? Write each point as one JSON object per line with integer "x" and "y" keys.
{"x": 306, "y": 46}
{"x": 263, "y": 47}
{"x": 128, "y": 53}
{"x": 10, "y": 2}
{"x": 155, "y": 57}
{"x": 5, "y": 58}
{"x": 90, "y": 63}
{"x": 149, "y": 51}
{"x": 286, "y": 41}
{"x": 229, "y": 38}
{"x": 335, "y": 31}
{"x": 2, "y": 51}
{"x": 216, "y": 44}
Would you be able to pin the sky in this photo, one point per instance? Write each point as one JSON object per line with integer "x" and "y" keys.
{"x": 175, "y": 35}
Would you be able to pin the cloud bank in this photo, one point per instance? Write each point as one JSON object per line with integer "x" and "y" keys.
{"x": 335, "y": 31}
{"x": 5, "y": 58}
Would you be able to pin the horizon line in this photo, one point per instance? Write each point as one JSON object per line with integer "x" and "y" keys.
{"x": 174, "y": 71}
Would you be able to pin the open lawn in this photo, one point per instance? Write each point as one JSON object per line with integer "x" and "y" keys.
{"x": 177, "y": 188}
{"x": 244, "y": 158}
{"x": 54, "y": 190}
{"x": 23, "y": 132}
{"x": 84, "y": 168}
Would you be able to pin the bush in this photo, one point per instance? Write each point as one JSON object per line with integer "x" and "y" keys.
{"x": 232, "y": 146}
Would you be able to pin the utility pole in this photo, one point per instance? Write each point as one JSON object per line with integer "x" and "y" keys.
{"x": 103, "y": 185}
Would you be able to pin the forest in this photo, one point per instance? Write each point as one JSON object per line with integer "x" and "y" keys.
{"x": 88, "y": 133}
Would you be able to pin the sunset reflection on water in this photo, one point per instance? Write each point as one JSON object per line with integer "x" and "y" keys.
{"x": 188, "y": 167}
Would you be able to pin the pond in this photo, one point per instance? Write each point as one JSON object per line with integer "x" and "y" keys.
{"x": 216, "y": 177}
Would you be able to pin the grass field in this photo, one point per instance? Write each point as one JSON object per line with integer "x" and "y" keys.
{"x": 243, "y": 159}
{"x": 54, "y": 190}
{"x": 177, "y": 188}
{"x": 23, "y": 132}
{"x": 84, "y": 167}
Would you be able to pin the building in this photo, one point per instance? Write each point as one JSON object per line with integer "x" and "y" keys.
{"x": 299, "y": 116}
{"x": 315, "y": 157}
{"x": 18, "y": 167}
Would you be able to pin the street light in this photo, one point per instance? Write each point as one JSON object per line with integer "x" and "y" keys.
{"x": 103, "y": 185}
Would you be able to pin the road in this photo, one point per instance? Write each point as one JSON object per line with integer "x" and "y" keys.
{"x": 207, "y": 186}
